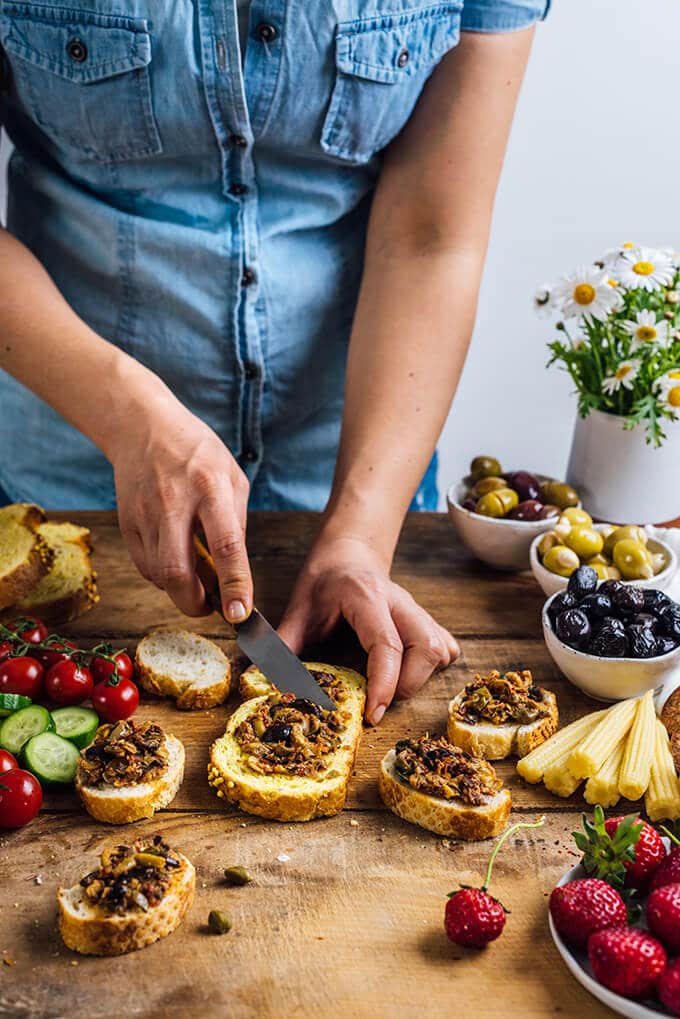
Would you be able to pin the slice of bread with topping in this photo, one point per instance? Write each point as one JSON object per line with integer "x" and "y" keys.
{"x": 190, "y": 668}
{"x": 68, "y": 589}
{"x": 25, "y": 556}
{"x": 287, "y": 759}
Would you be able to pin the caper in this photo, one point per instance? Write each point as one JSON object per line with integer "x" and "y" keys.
{"x": 630, "y": 531}
{"x": 548, "y": 541}
{"x": 498, "y": 503}
{"x": 584, "y": 541}
{"x": 577, "y": 517}
{"x": 633, "y": 559}
{"x": 484, "y": 485}
{"x": 559, "y": 494}
{"x": 237, "y": 875}
{"x": 484, "y": 467}
{"x": 561, "y": 560}
{"x": 219, "y": 922}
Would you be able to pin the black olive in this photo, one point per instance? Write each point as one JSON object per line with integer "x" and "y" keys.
{"x": 535, "y": 693}
{"x": 645, "y": 619}
{"x": 670, "y": 621}
{"x": 628, "y": 601}
{"x": 582, "y": 581}
{"x": 278, "y": 732}
{"x": 664, "y": 645}
{"x": 306, "y": 707}
{"x": 560, "y": 603}
{"x": 434, "y": 754}
{"x": 611, "y": 640}
{"x": 641, "y": 641}
{"x": 596, "y": 605}
{"x": 573, "y": 628}
{"x": 655, "y": 601}
{"x": 609, "y": 587}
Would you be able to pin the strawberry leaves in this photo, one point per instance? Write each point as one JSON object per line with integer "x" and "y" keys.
{"x": 604, "y": 855}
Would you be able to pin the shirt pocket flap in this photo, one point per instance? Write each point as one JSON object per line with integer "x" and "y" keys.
{"x": 80, "y": 46}
{"x": 392, "y": 48}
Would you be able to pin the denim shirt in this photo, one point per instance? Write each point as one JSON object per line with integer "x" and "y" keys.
{"x": 205, "y": 210}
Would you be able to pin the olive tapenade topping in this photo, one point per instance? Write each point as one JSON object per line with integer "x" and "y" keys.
{"x": 436, "y": 767}
{"x": 130, "y": 879}
{"x": 124, "y": 753}
{"x": 500, "y": 698}
{"x": 289, "y": 736}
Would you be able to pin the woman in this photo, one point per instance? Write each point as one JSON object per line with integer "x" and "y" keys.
{"x": 228, "y": 261}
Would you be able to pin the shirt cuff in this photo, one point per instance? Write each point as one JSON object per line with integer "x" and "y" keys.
{"x": 502, "y": 15}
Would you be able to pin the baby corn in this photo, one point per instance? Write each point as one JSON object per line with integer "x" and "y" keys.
{"x": 603, "y": 788}
{"x": 534, "y": 765}
{"x": 662, "y": 799}
{"x": 558, "y": 779}
{"x": 589, "y": 756}
{"x": 637, "y": 757}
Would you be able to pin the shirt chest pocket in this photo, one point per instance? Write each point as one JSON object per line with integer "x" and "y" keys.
{"x": 83, "y": 78}
{"x": 382, "y": 63}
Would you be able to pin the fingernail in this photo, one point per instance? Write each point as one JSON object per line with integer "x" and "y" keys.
{"x": 378, "y": 713}
{"x": 236, "y": 612}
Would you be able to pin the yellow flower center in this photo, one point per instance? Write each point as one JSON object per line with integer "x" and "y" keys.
{"x": 623, "y": 371}
{"x": 612, "y": 283}
{"x": 643, "y": 268}
{"x": 674, "y": 396}
{"x": 584, "y": 293}
{"x": 646, "y": 334}
{"x": 674, "y": 375}
{"x": 628, "y": 244}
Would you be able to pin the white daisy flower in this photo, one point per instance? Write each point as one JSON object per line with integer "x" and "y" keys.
{"x": 642, "y": 268}
{"x": 623, "y": 376}
{"x": 646, "y": 330}
{"x": 612, "y": 255}
{"x": 543, "y": 301}
{"x": 668, "y": 388}
{"x": 587, "y": 292}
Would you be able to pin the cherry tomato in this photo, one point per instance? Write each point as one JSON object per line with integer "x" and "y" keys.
{"x": 20, "y": 798}
{"x": 7, "y": 761}
{"x": 115, "y": 703}
{"x": 58, "y": 652}
{"x": 29, "y": 629}
{"x": 21, "y": 675}
{"x": 102, "y": 668}
{"x": 6, "y": 649}
{"x": 68, "y": 683}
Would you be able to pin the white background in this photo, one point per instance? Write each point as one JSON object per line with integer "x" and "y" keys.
{"x": 593, "y": 161}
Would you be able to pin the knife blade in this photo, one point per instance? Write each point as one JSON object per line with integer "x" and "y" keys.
{"x": 260, "y": 641}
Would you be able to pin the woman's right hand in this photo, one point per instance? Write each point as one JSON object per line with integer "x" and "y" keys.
{"x": 173, "y": 476}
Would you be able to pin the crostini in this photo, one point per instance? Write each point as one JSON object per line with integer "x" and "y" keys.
{"x": 501, "y": 714}
{"x": 135, "y": 896}
{"x": 438, "y": 786}
{"x": 130, "y": 770}
{"x": 183, "y": 665}
{"x": 288, "y": 759}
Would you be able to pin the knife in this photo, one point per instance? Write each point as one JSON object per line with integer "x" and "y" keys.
{"x": 261, "y": 642}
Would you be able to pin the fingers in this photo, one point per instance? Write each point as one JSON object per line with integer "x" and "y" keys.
{"x": 372, "y": 622}
{"x": 225, "y": 534}
{"x": 175, "y": 572}
{"x": 135, "y": 547}
{"x": 427, "y": 645}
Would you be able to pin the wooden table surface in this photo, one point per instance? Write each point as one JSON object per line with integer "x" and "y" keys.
{"x": 344, "y": 916}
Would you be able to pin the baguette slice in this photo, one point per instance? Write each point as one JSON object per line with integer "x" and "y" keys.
{"x": 435, "y": 813}
{"x": 87, "y": 929}
{"x": 495, "y": 742}
{"x": 122, "y": 804}
{"x": 190, "y": 668}
{"x": 288, "y": 797}
{"x": 25, "y": 556}
{"x": 68, "y": 589}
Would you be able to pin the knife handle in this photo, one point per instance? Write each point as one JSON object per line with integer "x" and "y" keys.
{"x": 207, "y": 574}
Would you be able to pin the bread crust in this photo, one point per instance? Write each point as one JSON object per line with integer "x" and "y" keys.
{"x": 280, "y": 797}
{"x": 97, "y": 934}
{"x": 496, "y": 742}
{"x": 16, "y": 584}
{"x": 74, "y": 604}
{"x": 187, "y": 697}
{"x": 444, "y": 817}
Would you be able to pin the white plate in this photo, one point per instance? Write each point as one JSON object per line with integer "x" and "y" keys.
{"x": 577, "y": 963}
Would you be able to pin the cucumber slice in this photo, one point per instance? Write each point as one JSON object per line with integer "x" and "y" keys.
{"x": 79, "y": 725}
{"x": 18, "y": 728}
{"x": 51, "y": 758}
{"x": 11, "y": 702}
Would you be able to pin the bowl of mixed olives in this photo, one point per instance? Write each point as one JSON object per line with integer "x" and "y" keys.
{"x": 625, "y": 553}
{"x": 497, "y": 513}
{"x": 612, "y": 639}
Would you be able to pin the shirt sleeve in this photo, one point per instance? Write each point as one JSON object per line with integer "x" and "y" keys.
{"x": 502, "y": 15}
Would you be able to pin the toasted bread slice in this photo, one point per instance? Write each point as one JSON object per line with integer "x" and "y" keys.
{"x": 69, "y": 588}
{"x": 455, "y": 818}
{"x": 122, "y": 804}
{"x": 288, "y": 797}
{"x": 495, "y": 742}
{"x": 90, "y": 930}
{"x": 25, "y": 556}
{"x": 190, "y": 668}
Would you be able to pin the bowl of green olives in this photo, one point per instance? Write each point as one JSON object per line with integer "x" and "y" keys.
{"x": 626, "y": 553}
{"x": 497, "y": 513}
{"x": 612, "y": 639}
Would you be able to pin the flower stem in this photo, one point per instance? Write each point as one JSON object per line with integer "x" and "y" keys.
{"x": 504, "y": 836}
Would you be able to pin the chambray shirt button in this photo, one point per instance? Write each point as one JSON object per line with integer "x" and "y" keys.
{"x": 237, "y": 141}
{"x": 238, "y": 189}
{"x": 403, "y": 58}
{"x": 77, "y": 50}
{"x": 249, "y": 455}
{"x": 266, "y": 32}
{"x": 248, "y": 278}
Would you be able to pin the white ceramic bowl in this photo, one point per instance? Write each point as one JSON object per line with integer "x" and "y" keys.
{"x": 552, "y": 583}
{"x": 497, "y": 541}
{"x": 608, "y": 679}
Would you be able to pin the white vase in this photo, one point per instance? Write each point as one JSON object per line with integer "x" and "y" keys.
{"x": 621, "y": 478}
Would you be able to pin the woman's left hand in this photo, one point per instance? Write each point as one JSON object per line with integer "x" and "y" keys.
{"x": 345, "y": 578}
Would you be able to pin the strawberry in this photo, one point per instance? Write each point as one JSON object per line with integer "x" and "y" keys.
{"x": 473, "y": 917}
{"x": 668, "y": 987}
{"x": 626, "y": 960}
{"x": 649, "y": 853}
{"x": 580, "y": 908}
{"x": 624, "y": 851}
{"x": 663, "y": 916}
{"x": 668, "y": 871}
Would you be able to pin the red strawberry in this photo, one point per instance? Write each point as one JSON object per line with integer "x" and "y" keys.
{"x": 663, "y": 916}
{"x": 473, "y": 917}
{"x": 668, "y": 988}
{"x": 668, "y": 871}
{"x": 621, "y": 851}
{"x": 626, "y": 960}
{"x": 580, "y": 908}
{"x": 649, "y": 853}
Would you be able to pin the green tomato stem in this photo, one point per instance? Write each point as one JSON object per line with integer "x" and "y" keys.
{"x": 504, "y": 836}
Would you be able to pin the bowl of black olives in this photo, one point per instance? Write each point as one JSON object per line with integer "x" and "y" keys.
{"x": 611, "y": 639}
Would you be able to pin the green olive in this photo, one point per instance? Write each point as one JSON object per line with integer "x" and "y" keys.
{"x": 237, "y": 875}
{"x": 606, "y": 530}
{"x": 606, "y": 572}
{"x": 485, "y": 467}
{"x": 219, "y": 922}
{"x": 597, "y": 560}
{"x": 577, "y": 517}
{"x": 561, "y": 560}
{"x": 559, "y": 494}
{"x": 630, "y": 531}
{"x": 584, "y": 541}
{"x": 548, "y": 541}
{"x": 563, "y": 526}
{"x": 633, "y": 559}
{"x": 498, "y": 503}
{"x": 485, "y": 485}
